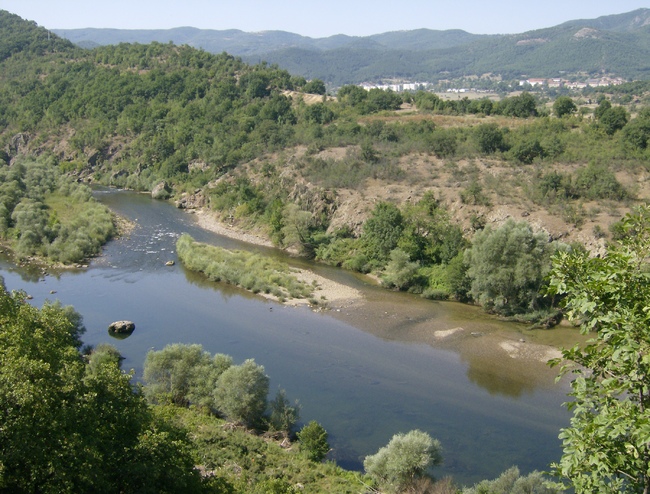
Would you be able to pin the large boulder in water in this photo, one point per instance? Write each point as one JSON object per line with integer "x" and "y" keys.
{"x": 122, "y": 327}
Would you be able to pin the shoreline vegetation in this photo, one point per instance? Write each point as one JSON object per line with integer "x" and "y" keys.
{"x": 331, "y": 293}
{"x": 326, "y": 290}
{"x": 261, "y": 275}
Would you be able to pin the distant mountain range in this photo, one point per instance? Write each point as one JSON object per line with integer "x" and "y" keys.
{"x": 611, "y": 45}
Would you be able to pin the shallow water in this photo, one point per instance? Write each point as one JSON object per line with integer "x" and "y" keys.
{"x": 364, "y": 372}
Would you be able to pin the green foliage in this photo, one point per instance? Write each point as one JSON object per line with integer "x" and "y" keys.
{"x": 598, "y": 182}
{"x": 406, "y": 458}
{"x": 490, "y": 138}
{"x": 64, "y": 428}
{"x": 251, "y": 271}
{"x": 507, "y": 266}
{"x": 511, "y": 482}
{"x": 315, "y": 86}
{"x": 283, "y": 416}
{"x": 313, "y": 441}
{"x": 522, "y": 106}
{"x": 526, "y": 151}
{"x": 381, "y": 231}
{"x": 183, "y": 375}
{"x": 103, "y": 354}
{"x": 613, "y": 119}
{"x": 400, "y": 272}
{"x": 637, "y": 132}
{"x": 564, "y": 106}
{"x": 241, "y": 392}
{"x": 473, "y": 194}
{"x": 262, "y": 465}
{"x": 49, "y": 215}
{"x": 606, "y": 447}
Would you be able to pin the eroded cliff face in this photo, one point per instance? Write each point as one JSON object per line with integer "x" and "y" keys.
{"x": 505, "y": 194}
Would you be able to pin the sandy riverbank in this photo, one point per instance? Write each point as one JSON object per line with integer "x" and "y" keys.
{"x": 326, "y": 292}
{"x": 378, "y": 316}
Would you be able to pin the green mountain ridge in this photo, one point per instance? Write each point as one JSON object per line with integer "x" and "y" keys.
{"x": 613, "y": 45}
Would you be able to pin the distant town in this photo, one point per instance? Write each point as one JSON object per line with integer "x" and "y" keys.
{"x": 523, "y": 84}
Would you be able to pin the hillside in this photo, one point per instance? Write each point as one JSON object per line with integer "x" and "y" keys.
{"x": 311, "y": 173}
{"x": 449, "y": 199}
{"x": 613, "y": 45}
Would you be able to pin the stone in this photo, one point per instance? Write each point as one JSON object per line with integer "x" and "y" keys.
{"x": 161, "y": 191}
{"x": 122, "y": 327}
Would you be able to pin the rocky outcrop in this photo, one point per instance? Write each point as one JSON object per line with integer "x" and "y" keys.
{"x": 161, "y": 190}
{"x": 19, "y": 143}
{"x": 191, "y": 201}
{"x": 122, "y": 327}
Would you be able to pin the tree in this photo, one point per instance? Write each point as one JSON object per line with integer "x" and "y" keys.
{"x": 315, "y": 86}
{"x": 489, "y": 138}
{"x": 564, "y": 106}
{"x": 241, "y": 393}
{"x": 607, "y": 445}
{"x": 66, "y": 427}
{"x": 637, "y": 132}
{"x": 613, "y": 119}
{"x": 170, "y": 373}
{"x": 406, "y": 458}
{"x": 400, "y": 272}
{"x": 313, "y": 441}
{"x": 382, "y": 231}
{"x": 511, "y": 482}
{"x": 284, "y": 416}
{"x": 507, "y": 266}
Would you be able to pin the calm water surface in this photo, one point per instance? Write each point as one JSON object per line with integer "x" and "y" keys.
{"x": 365, "y": 373}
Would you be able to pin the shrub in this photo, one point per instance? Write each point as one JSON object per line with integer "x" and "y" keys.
{"x": 403, "y": 460}
{"x": 313, "y": 441}
{"x": 241, "y": 392}
{"x": 400, "y": 272}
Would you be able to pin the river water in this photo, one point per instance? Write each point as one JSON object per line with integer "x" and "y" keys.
{"x": 364, "y": 372}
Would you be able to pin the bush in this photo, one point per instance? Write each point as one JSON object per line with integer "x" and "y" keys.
{"x": 527, "y": 150}
{"x": 283, "y": 416}
{"x": 507, "y": 267}
{"x": 241, "y": 393}
{"x": 313, "y": 441}
{"x": 400, "y": 273}
{"x": 511, "y": 482}
{"x": 406, "y": 458}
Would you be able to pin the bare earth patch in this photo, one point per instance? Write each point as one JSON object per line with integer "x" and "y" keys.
{"x": 530, "y": 351}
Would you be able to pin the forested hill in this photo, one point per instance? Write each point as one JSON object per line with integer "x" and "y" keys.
{"x": 271, "y": 151}
{"x": 20, "y": 36}
{"x": 616, "y": 45}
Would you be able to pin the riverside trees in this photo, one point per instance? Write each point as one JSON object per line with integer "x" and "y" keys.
{"x": 69, "y": 427}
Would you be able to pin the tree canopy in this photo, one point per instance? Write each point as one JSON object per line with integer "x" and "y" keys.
{"x": 607, "y": 445}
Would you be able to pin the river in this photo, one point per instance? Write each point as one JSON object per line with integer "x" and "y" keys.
{"x": 364, "y": 372}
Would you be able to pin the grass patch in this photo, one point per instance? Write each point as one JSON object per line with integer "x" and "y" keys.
{"x": 237, "y": 461}
{"x": 254, "y": 272}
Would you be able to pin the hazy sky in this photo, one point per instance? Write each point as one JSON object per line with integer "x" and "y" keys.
{"x": 317, "y": 19}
